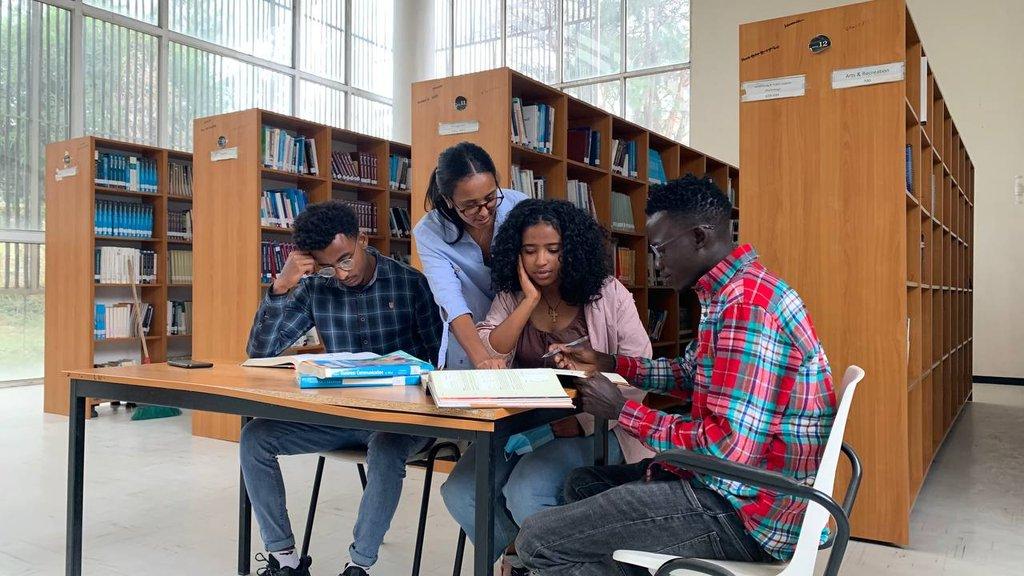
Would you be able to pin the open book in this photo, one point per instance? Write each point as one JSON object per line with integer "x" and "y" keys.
{"x": 296, "y": 359}
{"x": 510, "y": 388}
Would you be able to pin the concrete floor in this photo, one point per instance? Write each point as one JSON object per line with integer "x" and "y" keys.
{"x": 161, "y": 502}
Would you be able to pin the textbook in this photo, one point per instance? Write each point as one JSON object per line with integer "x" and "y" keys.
{"x": 394, "y": 364}
{"x": 306, "y": 382}
{"x": 295, "y": 359}
{"x": 510, "y": 388}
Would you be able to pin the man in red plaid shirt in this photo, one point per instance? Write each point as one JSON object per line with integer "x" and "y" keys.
{"x": 757, "y": 390}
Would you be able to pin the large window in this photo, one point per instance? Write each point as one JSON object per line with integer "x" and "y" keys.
{"x": 630, "y": 57}
{"x": 121, "y": 69}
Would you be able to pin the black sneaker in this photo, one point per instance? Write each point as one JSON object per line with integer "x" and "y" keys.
{"x": 274, "y": 568}
{"x": 353, "y": 570}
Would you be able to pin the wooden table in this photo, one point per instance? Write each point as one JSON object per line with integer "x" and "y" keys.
{"x": 272, "y": 393}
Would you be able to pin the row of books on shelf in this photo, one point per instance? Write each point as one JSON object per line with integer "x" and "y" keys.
{"x": 278, "y": 208}
{"x": 656, "y": 323}
{"x": 655, "y": 168}
{"x": 580, "y": 196}
{"x": 358, "y": 167}
{"x": 179, "y": 317}
{"x": 622, "y": 212}
{"x": 583, "y": 144}
{"x": 533, "y": 125}
{"x": 526, "y": 182}
{"x": 734, "y": 228}
{"x": 624, "y": 157}
{"x": 179, "y": 224}
{"x": 180, "y": 180}
{"x": 123, "y": 219}
{"x": 624, "y": 264}
{"x": 118, "y": 320}
{"x": 398, "y": 172}
{"x": 366, "y": 214}
{"x": 180, "y": 266}
{"x": 400, "y": 222}
{"x": 120, "y": 265}
{"x": 654, "y": 277}
{"x": 272, "y": 258}
{"x": 126, "y": 171}
{"x": 909, "y": 166}
{"x": 288, "y": 152}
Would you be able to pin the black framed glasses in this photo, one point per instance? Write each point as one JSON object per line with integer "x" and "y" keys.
{"x": 659, "y": 249}
{"x": 491, "y": 203}
{"x": 345, "y": 265}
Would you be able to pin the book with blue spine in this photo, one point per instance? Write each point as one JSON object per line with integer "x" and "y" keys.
{"x": 910, "y": 168}
{"x": 309, "y": 382}
{"x": 397, "y": 363}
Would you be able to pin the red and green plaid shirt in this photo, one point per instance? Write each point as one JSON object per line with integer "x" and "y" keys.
{"x": 760, "y": 387}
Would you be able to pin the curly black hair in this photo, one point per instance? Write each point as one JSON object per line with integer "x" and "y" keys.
{"x": 317, "y": 225}
{"x": 693, "y": 198}
{"x": 585, "y": 266}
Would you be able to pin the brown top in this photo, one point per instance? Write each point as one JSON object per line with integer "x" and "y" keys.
{"x": 534, "y": 343}
{"x": 398, "y": 404}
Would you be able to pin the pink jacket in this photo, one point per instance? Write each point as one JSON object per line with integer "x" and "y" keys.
{"x": 614, "y": 327}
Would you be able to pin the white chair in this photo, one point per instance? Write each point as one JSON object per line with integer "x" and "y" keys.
{"x": 820, "y": 506}
{"x": 426, "y": 458}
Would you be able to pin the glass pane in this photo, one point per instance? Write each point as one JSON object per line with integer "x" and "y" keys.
{"x": 531, "y": 45}
{"x": 261, "y": 28}
{"x": 203, "y": 84}
{"x": 592, "y": 38}
{"x": 34, "y": 71}
{"x": 372, "y": 45}
{"x": 606, "y": 95}
{"x": 324, "y": 21}
{"x": 370, "y": 117}
{"x": 21, "y": 311}
{"x": 321, "y": 104}
{"x": 661, "y": 102}
{"x": 120, "y": 70}
{"x": 477, "y": 35}
{"x": 145, "y": 10}
{"x": 657, "y": 33}
{"x": 442, "y": 38}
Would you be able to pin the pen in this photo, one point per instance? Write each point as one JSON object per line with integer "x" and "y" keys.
{"x": 570, "y": 344}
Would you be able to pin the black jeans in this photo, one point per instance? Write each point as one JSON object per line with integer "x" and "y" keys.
{"x": 612, "y": 507}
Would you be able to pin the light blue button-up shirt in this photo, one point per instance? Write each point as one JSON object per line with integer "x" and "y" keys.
{"x": 458, "y": 277}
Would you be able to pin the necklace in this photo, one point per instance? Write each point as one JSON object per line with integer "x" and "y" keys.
{"x": 553, "y": 312}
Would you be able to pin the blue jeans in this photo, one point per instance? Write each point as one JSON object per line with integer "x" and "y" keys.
{"x": 386, "y": 454}
{"x": 524, "y": 485}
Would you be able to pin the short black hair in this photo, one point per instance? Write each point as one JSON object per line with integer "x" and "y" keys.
{"x": 317, "y": 225}
{"x": 585, "y": 265}
{"x": 699, "y": 199}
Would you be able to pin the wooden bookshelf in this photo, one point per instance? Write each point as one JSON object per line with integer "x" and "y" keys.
{"x": 886, "y": 270}
{"x": 489, "y": 102}
{"x": 71, "y": 290}
{"x": 228, "y": 234}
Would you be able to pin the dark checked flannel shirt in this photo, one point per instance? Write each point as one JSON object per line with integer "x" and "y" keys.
{"x": 394, "y": 311}
{"x": 761, "y": 393}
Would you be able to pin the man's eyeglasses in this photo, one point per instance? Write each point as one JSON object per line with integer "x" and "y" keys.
{"x": 345, "y": 265}
{"x": 659, "y": 249}
{"x": 490, "y": 202}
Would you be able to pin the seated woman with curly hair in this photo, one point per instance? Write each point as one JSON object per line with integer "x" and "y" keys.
{"x": 553, "y": 283}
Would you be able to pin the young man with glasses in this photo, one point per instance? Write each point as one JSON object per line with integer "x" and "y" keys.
{"x": 359, "y": 301}
{"x": 757, "y": 390}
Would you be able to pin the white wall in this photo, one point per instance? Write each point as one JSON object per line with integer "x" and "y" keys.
{"x": 976, "y": 52}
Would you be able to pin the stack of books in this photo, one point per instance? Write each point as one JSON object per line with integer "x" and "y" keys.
{"x": 622, "y": 212}
{"x": 524, "y": 180}
{"x": 580, "y": 196}
{"x": 126, "y": 172}
{"x": 360, "y": 167}
{"x": 624, "y": 158}
{"x": 288, "y": 152}
{"x": 533, "y": 125}
{"x": 123, "y": 219}
{"x": 278, "y": 208}
{"x": 180, "y": 180}
{"x": 625, "y": 265}
{"x": 179, "y": 224}
{"x": 399, "y": 167}
{"x": 179, "y": 264}
{"x": 111, "y": 265}
{"x": 584, "y": 145}
{"x": 349, "y": 370}
{"x": 655, "y": 168}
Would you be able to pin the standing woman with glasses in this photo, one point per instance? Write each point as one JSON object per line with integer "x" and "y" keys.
{"x": 466, "y": 208}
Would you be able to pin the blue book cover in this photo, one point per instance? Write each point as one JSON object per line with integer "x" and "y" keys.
{"x": 100, "y": 325}
{"x": 910, "y": 169}
{"x": 395, "y": 364}
{"x": 308, "y": 382}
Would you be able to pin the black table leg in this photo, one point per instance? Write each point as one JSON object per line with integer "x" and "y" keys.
{"x": 483, "y": 550}
{"x": 76, "y": 469}
{"x": 244, "y": 521}
{"x": 600, "y": 441}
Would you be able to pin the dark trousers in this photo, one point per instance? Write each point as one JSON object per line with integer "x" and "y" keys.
{"x": 612, "y": 507}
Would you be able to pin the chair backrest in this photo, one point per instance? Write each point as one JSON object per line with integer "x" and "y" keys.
{"x": 817, "y": 517}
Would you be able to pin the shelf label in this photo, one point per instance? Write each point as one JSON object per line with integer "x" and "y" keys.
{"x": 464, "y": 127}
{"x": 68, "y": 172}
{"x": 867, "y": 75}
{"x": 224, "y": 154}
{"x": 773, "y": 88}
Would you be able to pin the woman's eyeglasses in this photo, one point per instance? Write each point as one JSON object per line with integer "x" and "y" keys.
{"x": 491, "y": 203}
